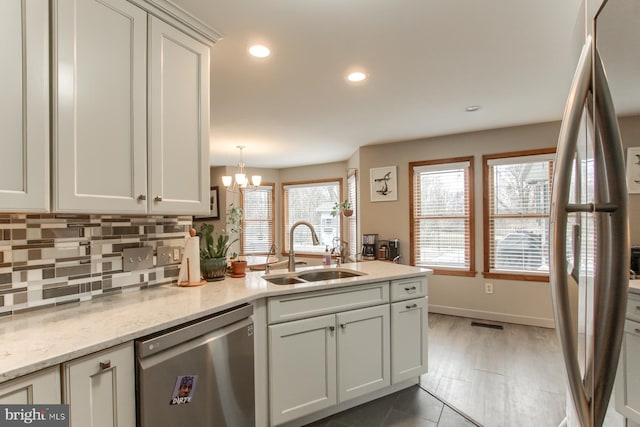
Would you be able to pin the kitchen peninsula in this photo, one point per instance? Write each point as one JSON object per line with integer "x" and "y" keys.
{"x": 46, "y": 338}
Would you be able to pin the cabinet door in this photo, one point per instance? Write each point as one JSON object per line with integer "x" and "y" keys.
{"x": 24, "y": 105}
{"x": 100, "y": 389}
{"x": 100, "y": 119}
{"x": 179, "y": 122}
{"x": 42, "y": 387}
{"x": 363, "y": 351}
{"x": 628, "y": 377}
{"x": 409, "y": 332}
{"x": 302, "y": 367}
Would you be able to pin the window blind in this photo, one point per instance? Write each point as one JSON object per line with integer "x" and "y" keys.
{"x": 519, "y": 195}
{"x": 311, "y": 202}
{"x": 442, "y": 215}
{"x": 352, "y": 220}
{"x": 257, "y": 222}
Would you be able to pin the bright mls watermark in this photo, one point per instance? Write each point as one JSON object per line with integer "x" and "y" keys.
{"x": 34, "y": 415}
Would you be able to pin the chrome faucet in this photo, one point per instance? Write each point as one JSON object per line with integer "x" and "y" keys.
{"x": 292, "y": 255}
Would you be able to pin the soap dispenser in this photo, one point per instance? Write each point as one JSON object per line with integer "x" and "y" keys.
{"x": 327, "y": 256}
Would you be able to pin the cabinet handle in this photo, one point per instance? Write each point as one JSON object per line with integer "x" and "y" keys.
{"x": 413, "y": 288}
{"x": 637, "y": 307}
{"x": 142, "y": 197}
{"x": 343, "y": 325}
{"x": 637, "y": 330}
{"x": 105, "y": 365}
{"x": 409, "y": 307}
{"x": 332, "y": 328}
{"x": 157, "y": 199}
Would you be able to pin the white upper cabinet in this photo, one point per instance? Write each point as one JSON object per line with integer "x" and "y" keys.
{"x": 100, "y": 78}
{"x": 110, "y": 59}
{"x": 178, "y": 121}
{"x": 24, "y": 105}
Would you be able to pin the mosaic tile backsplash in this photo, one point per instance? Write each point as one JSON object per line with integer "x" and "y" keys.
{"x": 53, "y": 259}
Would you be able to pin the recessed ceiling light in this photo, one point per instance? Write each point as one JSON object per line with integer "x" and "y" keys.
{"x": 472, "y": 108}
{"x": 259, "y": 51}
{"x": 356, "y": 76}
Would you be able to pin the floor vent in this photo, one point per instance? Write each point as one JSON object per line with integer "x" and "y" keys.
{"x": 487, "y": 325}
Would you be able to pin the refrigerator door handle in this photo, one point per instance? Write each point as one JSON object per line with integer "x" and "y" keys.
{"x": 558, "y": 277}
{"x": 613, "y": 230}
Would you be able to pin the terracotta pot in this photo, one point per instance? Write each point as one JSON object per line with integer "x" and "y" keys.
{"x": 238, "y": 268}
{"x": 213, "y": 269}
{"x": 347, "y": 212}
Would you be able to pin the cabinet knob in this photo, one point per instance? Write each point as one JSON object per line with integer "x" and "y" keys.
{"x": 410, "y": 306}
{"x": 637, "y": 331}
{"x": 158, "y": 199}
{"x": 142, "y": 197}
{"x": 332, "y": 328}
{"x": 343, "y": 325}
{"x": 105, "y": 365}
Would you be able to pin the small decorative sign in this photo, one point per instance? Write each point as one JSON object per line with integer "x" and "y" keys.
{"x": 384, "y": 184}
{"x": 184, "y": 389}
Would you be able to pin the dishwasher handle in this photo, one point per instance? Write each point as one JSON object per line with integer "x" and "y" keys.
{"x": 147, "y": 346}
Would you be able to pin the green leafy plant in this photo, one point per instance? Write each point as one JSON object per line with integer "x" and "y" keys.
{"x": 217, "y": 245}
{"x": 339, "y": 207}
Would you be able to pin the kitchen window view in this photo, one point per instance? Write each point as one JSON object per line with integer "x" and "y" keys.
{"x": 517, "y": 202}
{"x": 442, "y": 209}
{"x": 312, "y": 201}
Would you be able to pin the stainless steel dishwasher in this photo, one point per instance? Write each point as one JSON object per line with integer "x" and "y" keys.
{"x": 198, "y": 374}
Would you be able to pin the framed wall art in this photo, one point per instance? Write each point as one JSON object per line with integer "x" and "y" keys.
{"x": 633, "y": 170}
{"x": 214, "y": 206}
{"x": 384, "y": 184}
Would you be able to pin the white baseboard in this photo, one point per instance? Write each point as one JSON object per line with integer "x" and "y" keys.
{"x": 493, "y": 316}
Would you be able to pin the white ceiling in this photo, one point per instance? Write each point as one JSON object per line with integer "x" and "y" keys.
{"x": 427, "y": 61}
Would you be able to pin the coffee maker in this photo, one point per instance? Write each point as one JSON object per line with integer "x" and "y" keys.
{"x": 394, "y": 249}
{"x": 369, "y": 246}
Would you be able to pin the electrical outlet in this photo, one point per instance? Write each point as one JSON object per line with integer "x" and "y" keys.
{"x": 168, "y": 255}
{"x": 488, "y": 288}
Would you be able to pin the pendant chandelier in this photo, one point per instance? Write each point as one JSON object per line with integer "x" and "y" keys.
{"x": 241, "y": 182}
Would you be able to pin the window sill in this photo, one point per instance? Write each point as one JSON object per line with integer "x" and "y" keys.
{"x": 516, "y": 276}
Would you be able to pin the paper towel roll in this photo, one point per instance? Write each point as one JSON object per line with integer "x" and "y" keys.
{"x": 190, "y": 270}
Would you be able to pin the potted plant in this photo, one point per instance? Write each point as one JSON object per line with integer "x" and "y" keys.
{"x": 234, "y": 225}
{"x": 343, "y": 207}
{"x": 214, "y": 247}
{"x": 213, "y": 253}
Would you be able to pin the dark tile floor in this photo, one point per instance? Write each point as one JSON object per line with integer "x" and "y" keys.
{"x": 412, "y": 407}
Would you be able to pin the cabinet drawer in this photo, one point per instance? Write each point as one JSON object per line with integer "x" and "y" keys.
{"x": 412, "y": 287}
{"x": 633, "y": 307}
{"x": 298, "y": 306}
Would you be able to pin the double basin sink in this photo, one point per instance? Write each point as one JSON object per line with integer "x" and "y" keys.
{"x": 310, "y": 276}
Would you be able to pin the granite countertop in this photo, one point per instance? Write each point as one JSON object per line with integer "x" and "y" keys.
{"x": 43, "y": 338}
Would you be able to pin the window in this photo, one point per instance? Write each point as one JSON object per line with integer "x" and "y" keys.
{"x": 517, "y": 189}
{"x": 311, "y": 202}
{"x": 442, "y": 215}
{"x": 352, "y": 220}
{"x": 257, "y": 221}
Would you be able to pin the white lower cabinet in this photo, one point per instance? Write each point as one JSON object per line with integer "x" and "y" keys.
{"x": 42, "y": 387}
{"x": 100, "y": 388}
{"x": 318, "y": 362}
{"x": 409, "y": 332}
{"x": 627, "y": 394}
{"x": 302, "y": 366}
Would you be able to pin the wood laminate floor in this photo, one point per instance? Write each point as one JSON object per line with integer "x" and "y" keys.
{"x": 508, "y": 377}
{"x": 499, "y": 377}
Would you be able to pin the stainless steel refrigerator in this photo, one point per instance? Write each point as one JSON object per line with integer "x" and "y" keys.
{"x": 589, "y": 227}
